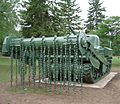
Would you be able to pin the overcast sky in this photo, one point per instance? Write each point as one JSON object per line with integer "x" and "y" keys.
{"x": 112, "y": 7}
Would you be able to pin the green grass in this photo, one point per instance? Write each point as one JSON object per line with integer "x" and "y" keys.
{"x": 4, "y": 61}
{"x": 4, "y": 69}
{"x": 116, "y": 61}
{"x": 4, "y": 73}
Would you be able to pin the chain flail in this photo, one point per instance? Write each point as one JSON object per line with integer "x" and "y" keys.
{"x": 61, "y": 64}
{"x": 39, "y": 65}
{"x": 49, "y": 69}
{"x": 54, "y": 63}
{"x": 11, "y": 68}
{"x": 69, "y": 69}
{"x": 29, "y": 64}
{"x": 33, "y": 64}
{"x": 75, "y": 67}
{"x": 16, "y": 65}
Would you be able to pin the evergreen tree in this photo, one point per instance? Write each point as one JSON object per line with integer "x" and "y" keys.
{"x": 95, "y": 15}
{"x": 8, "y": 18}
{"x": 50, "y": 17}
{"x": 67, "y": 13}
{"x": 36, "y": 20}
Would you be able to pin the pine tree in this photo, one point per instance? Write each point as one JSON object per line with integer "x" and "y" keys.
{"x": 95, "y": 15}
{"x": 8, "y": 19}
{"x": 67, "y": 14}
{"x": 49, "y": 18}
{"x": 36, "y": 19}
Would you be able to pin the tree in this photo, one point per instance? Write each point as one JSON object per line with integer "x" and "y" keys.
{"x": 95, "y": 15}
{"x": 8, "y": 19}
{"x": 36, "y": 20}
{"x": 50, "y": 17}
{"x": 113, "y": 23}
{"x": 109, "y": 31}
{"x": 68, "y": 14}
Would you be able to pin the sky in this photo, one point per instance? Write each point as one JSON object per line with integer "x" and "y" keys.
{"x": 112, "y": 7}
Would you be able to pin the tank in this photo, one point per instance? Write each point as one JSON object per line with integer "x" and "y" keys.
{"x": 6, "y": 45}
{"x": 72, "y": 58}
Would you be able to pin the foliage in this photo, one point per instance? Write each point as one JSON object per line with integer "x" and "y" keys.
{"x": 8, "y": 19}
{"x": 68, "y": 13}
{"x": 36, "y": 19}
{"x": 95, "y": 15}
{"x": 116, "y": 45}
{"x": 50, "y": 18}
{"x": 109, "y": 30}
{"x": 113, "y": 24}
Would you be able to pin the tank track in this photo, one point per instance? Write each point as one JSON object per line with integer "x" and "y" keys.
{"x": 94, "y": 75}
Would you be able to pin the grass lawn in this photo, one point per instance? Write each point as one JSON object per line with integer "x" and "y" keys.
{"x": 5, "y": 67}
{"x": 116, "y": 61}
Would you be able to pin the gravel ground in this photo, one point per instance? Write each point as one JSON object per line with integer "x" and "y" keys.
{"x": 108, "y": 95}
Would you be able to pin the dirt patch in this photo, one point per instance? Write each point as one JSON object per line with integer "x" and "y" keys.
{"x": 108, "y": 95}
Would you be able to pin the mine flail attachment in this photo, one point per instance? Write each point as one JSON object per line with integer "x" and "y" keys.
{"x": 58, "y": 62}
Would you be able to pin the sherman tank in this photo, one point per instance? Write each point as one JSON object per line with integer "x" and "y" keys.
{"x": 71, "y": 58}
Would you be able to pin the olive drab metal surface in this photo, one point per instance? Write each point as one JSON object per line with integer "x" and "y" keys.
{"x": 54, "y": 62}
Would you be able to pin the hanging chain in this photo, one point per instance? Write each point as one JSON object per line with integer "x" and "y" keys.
{"x": 49, "y": 69}
{"x": 11, "y": 68}
{"x": 16, "y": 62}
{"x": 29, "y": 65}
{"x": 54, "y": 63}
{"x": 37, "y": 61}
{"x": 20, "y": 61}
{"x": 75, "y": 69}
{"x": 57, "y": 65}
{"x": 44, "y": 63}
{"x": 66, "y": 61}
{"x": 69, "y": 70}
{"x": 33, "y": 63}
{"x": 81, "y": 66}
{"x": 24, "y": 64}
{"x": 39, "y": 65}
{"x": 41, "y": 60}
{"x": 61, "y": 58}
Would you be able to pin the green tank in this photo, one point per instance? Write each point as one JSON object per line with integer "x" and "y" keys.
{"x": 72, "y": 58}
